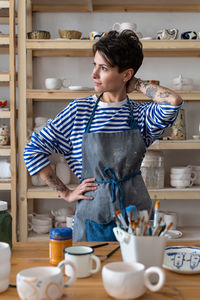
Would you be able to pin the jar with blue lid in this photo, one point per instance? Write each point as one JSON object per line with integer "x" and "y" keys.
{"x": 5, "y": 224}
{"x": 59, "y": 239}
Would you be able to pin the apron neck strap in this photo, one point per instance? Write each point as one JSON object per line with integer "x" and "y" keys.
{"x": 92, "y": 114}
{"x": 131, "y": 121}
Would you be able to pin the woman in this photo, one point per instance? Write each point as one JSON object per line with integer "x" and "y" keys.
{"x": 104, "y": 139}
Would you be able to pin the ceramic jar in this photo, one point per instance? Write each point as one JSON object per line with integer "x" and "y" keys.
{"x": 5, "y": 255}
{"x": 4, "y": 135}
{"x": 178, "y": 128}
{"x": 63, "y": 171}
{"x": 152, "y": 169}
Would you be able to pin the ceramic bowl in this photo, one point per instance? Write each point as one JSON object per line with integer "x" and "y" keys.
{"x": 39, "y": 34}
{"x": 69, "y": 34}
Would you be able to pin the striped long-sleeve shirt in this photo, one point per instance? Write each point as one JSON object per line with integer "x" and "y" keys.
{"x": 64, "y": 133}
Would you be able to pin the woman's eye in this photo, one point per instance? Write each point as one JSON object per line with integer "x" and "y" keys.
{"x": 104, "y": 68}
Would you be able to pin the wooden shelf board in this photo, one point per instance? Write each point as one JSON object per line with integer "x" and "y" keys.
{"x": 189, "y": 234}
{"x": 4, "y": 76}
{"x": 161, "y": 194}
{"x": 74, "y": 48}
{"x": 4, "y": 39}
{"x": 37, "y": 94}
{"x": 44, "y": 192}
{"x": 4, "y": 186}
{"x": 175, "y": 194}
{"x": 4, "y": 4}
{"x": 5, "y": 151}
{"x": 4, "y": 114}
{"x": 115, "y": 6}
{"x": 176, "y": 145}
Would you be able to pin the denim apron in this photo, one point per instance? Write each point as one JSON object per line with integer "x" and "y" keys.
{"x": 114, "y": 160}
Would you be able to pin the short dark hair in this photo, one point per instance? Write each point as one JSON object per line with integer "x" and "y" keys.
{"x": 121, "y": 49}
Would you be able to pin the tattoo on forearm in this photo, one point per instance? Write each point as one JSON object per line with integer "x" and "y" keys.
{"x": 56, "y": 183}
{"x": 165, "y": 94}
{"x": 151, "y": 92}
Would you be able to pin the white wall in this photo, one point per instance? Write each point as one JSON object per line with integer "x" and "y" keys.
{"x": 163, "y": 69}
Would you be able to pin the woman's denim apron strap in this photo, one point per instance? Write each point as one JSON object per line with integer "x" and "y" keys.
{"x": 114, "y": 160}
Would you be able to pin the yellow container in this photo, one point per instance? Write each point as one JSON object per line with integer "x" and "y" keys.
{"x": 59, "y": 239}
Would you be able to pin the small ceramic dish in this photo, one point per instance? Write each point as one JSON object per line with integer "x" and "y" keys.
{"x": 39, "y": 34}
{"x": 182, "y": 259}
{"x": 70, "y": 34}
{"x": 79, "y": 88}
{"x": 196, "y": 137}
{"x": 173, "y": 234}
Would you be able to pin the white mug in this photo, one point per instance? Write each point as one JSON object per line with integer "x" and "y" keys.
{"x": 169, "y": 217}
{"x": 43, "y": 282}
{"x": 82, "y": 258}
{"x": 123, "y": 26}
{"x": 56, "y": 83}
{"x": 5, "y": 266}
{"x": 129, "y": 280}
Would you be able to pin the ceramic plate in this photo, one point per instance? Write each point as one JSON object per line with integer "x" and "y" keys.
{"x": 173, "y": 234}
{"x": 182, "y": 259}
{"x": 79, "y": 88}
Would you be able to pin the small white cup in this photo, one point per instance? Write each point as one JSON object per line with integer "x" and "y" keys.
{"x": 5, "y": 266}
{"x": 82, "y": 258}
{"x": 129, "y": 281}
{"x": 69, "y": 221}
{"x": 43, "y": 282}
{"x": 56, "y": 83}
{"x": 169, "y": 217}
{"x": 123, "y": 26}
{"x": 180, "y": 170}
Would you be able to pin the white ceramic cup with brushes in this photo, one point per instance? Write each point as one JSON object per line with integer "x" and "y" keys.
{"x": 130, "y": 280}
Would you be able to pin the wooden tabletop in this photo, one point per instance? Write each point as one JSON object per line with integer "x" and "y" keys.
{"x": 31, "y": 254}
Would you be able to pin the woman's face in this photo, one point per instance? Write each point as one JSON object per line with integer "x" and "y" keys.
{"x": 105, "y": 77}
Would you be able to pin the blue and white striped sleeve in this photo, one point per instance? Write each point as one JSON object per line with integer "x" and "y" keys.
{"x": 154, "y": 118}
{"x": 52, "y": 138}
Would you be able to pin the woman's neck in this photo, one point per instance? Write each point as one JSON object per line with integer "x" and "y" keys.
{"x": 113, "y": 97}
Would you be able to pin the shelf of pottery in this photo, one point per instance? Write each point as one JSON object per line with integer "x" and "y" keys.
{"x": 38, "y": 43}
{"x": 8, "y": 181}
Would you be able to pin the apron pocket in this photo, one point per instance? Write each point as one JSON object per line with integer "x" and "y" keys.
{"x": 98, "y": 232}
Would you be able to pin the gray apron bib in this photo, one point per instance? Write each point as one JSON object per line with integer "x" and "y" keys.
{"x": 114, "y": 160}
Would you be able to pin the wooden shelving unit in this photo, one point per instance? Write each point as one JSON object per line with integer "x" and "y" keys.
{"x": 7, "y": 16}
{"x": 28, "y": 49}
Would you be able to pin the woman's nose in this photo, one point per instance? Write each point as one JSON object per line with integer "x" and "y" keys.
{"x": 95, "y": 73}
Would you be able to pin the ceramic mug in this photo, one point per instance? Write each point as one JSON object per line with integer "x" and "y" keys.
{"x": 189, "y": 35}
{"x": 43, "y": 282}
{"x": 124, "y": 26}
{"x": 130, "y": 280}
{"x": 148, "y": 250}
{"x": 95, "y": 35}
{"x": 4, "y": 130}
{"x": 169, "y": 217}
{"x": 197, "y": 170}
{"x": 82, "y": 258}
{"x": 56, "y": 83}
{"x": 5, "y": 266}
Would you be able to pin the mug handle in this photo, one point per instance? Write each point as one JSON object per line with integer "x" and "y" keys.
{"x": 65, "y": 82}
{"x": 73, "y": 277}
{"x": 98, "y": 264}
{"x": 161, "y": 274}
{"x": 116, "y": 26}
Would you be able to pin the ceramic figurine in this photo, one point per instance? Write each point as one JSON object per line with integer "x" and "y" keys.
{"x": 167, "y": 34}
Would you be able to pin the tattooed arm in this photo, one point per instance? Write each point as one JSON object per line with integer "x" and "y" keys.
{"x": 158, "y": 94}
{"x": 49, "y": 176}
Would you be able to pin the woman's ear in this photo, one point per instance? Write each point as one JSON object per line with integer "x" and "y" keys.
{"x": 128, "y": 74}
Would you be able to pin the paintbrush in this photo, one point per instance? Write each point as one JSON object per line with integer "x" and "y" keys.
{"x": 110, "y": 253}
{"x": 99, "y": 245}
